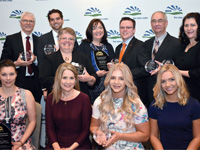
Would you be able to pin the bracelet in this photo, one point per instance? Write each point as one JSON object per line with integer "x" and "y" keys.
{"x": 21, "y": 142}
{"x": 70, "y": 148}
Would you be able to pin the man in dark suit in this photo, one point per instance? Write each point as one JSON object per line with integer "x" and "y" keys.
{"x": 15, "y": 45}
{"x": 130, "y": 56}
{"x": 168, "y": 48}
{"x": 48, "y": 42}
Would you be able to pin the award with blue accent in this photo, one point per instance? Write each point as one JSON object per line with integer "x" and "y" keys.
{"x": 101, "y": 59}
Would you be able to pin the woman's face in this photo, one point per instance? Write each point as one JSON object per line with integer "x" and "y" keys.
{"x": 97, "y": 32}
{"x": 190, "y": 28}
{"x": 66, "y": 42}
{"x": 117, "y": 84}
{"x": 67, "y": 82}
{"x": 8, "y": 76}
{"x": 168, "y": 83}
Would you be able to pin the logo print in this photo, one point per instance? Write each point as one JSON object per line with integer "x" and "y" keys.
{"x": 173, "y": 10}
{"x": 38, "y": 34}
{"x": 78, "y": 35}
{"x": 148, "y": 34}
{"x": 93, "y": 12}
{"x": 132, "y": 11}
{"x": 2, "y": 36}
{"x": 113, "y": 34}
{"x": 16, "y": 14}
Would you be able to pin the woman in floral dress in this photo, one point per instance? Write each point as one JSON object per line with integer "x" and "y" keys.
{"x": 119, "y": 113}
{"x": 22, "y": 106}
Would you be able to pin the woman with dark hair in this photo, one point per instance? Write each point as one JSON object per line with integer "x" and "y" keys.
{"x": 99, "y": 51}
{"x": 174, "y": 115}
{"x": 120, "y": 111}
{"x": 188, "y": 62}
{"x": 22, "y": 106}
{"x": 68, "y": 112}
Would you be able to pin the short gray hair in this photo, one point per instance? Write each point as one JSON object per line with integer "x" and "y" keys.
{"x": 165, "y": 16}
{"x": 26, "y": 13}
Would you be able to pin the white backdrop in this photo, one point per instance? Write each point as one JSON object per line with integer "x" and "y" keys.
{"x": 78, "y": 13}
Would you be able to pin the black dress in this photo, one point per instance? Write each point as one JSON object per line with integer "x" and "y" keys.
{"x": 190, "y": 60}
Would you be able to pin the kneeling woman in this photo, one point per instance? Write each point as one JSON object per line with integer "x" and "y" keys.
{"x": 120, "y": 111}
{"x": 174, "y": 116}
{"x": 68, "y": 112}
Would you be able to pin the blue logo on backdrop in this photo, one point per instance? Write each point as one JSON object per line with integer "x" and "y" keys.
{"x": 16, "y": 14}
{"x": 38, "y": 34}
{"x": 2, "y": 37}
{"x": 5, "y": 0}
{"x": 173, "y": 10}
{"x": 78, "y": 37}
{"x": 93, "y": 12}
{"x": 114, "y": 35}
{"x": 148, "y": 34}
{"x": 132, "y": 11}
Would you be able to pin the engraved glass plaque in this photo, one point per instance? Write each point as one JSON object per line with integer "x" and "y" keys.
{"x": 49, "y": 48}
{"x": 101, "y": 59}
{"x": 79, "y": 68}
{"x": 151, "y": 65}
{"x": 25, "y": 56}
{"x": 101, "y": 135}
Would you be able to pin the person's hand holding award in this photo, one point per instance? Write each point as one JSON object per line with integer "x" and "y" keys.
{"x": 101, "y": 136}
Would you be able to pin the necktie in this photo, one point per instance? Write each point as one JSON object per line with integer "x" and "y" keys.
{"x": 28, "y": 55}
{"x": 122, "y": 52}
{"x": 155, "y": 50}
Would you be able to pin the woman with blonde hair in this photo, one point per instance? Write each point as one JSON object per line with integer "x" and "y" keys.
{"x": 120, "y": 111}
{"x": 68, "y": 112}
{"x": 174, "y": 115}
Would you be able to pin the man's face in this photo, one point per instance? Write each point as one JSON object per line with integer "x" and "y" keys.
{"x": 158, "y": 24}
{"x": 56, "y": 21}
{"x": 27, "y": 24}
{"x": 126, "y": 30}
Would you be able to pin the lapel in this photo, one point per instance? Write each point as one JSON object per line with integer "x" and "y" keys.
{"x": 19, "y": 44}
{"x": 50, "y": 37}
{"x": 129, "y": 48}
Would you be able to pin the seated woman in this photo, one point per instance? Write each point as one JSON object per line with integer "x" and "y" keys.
{"x": 67, "y": 53}
{"x": 99, "y": 51}
{"x": 68, "y": 112}
{"x": 22, "y": 105}
{"x": 174, "y": 116}
{"x": 120, "y": 111}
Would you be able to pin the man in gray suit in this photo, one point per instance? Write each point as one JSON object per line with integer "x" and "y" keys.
{"x": 168, "y": 47}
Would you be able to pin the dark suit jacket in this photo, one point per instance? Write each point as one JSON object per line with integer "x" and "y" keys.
{"x": 44, "y": 40}
{"x": 130, "y": 58}
{"x": 13, "y": 46}
{"x": 169, "y": 49}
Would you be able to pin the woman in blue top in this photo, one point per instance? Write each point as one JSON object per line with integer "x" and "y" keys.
{"x": 174, "y": 115}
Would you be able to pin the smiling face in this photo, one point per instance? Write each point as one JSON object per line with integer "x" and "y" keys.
{"x": 117, "y": 84}
{"x": 67, "y": 82}
{"x": 55, "y": 21}
{"x": 126, "y": 29}
{"x": 27, "y": 24}
{"x": 8, "y": 76}
{"x": 169, "y": 84}
{"x": 190, "y": 28}
{"x": 158, "y": 24}
{"x": 66, "y": 42}
{"x": 97, "y": 32}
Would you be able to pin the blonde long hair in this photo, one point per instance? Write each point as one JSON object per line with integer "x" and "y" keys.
{"x": 159, "y": 93}
{"x": 130, "y": 97}
{"x": 57, "y": 91}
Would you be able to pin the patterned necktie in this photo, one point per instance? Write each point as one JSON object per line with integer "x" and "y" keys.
{"x": 155, "y": 50}
{"x": 122, "y": 52}
{"x": 28, "y": 55}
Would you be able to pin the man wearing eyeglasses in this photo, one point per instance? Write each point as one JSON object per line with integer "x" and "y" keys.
{"x": 127, "y": 52}
{"x": 21, "y": 49}
{"x": 48, "y": 42}
{"x": 167, "y": 48}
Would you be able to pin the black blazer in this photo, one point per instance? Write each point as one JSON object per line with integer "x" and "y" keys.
{"x": 44, "y": 40}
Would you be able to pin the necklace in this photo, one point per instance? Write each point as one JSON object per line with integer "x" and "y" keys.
{"x": 66, "y": 59}
{"x": 65, "y": 103}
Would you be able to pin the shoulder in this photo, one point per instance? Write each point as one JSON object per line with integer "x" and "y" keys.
{"x": 97, "y": 102}
{"x": 18, "y": 34}
{"x": 137, "y": 42}
{"x": 46, "y": 35}
{"x": 149, "y": 41}
{"x": 194, "y": 102}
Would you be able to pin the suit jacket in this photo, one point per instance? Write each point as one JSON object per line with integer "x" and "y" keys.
{"x": 169, "y": 49}
{"x": 46, "y": 39}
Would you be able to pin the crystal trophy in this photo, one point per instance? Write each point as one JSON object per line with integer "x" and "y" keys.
{"x": 151, "y": 65}
{"x": 79, "y": 68}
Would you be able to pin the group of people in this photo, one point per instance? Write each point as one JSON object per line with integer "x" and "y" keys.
{"x": 108, "y": 99}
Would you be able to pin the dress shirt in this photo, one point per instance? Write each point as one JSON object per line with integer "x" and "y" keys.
{"x": 160, "y": 39}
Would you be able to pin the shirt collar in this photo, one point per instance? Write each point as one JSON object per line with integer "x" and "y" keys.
{"x": 128, "y": 41}
{"x": 24, "y": 35}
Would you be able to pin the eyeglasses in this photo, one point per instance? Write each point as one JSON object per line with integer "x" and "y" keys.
{"x": 127, "y": 27}
{"x": 157, "y": 21}
{"x": 65, "y": 38}
{"x": 27, "y": 21}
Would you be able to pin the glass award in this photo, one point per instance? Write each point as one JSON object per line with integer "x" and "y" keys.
{"x": 168, "y": 61}
{"x": 115, "y": 61}
{"x": 151, "y": 65}
{"x": 101, "y": 59}
{"x": 101, "y": 135}
{"x": 5, "y": 131}
{"x": 49, "y": 48}
{"x": 79, "y": 68}
{"x": 25, "y": 56}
